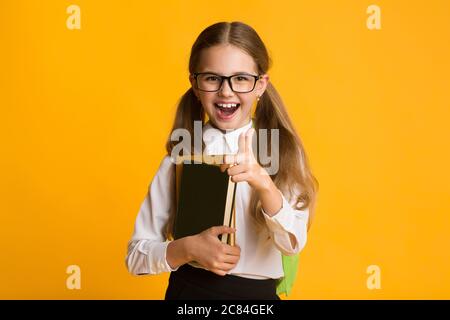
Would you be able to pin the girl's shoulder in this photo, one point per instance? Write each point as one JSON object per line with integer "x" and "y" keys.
{"x": 166, "y": 166}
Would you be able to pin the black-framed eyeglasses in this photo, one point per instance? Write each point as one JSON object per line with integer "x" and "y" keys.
{"x": 211, "y": 82}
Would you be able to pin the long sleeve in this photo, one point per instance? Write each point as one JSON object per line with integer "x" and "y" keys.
{"x": 148, "y": 244}
{"x": 288, "y": 221}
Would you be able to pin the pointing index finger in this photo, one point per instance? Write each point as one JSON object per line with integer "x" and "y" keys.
{"x": 241, "y": 143}
{"x": 249, "y": 140}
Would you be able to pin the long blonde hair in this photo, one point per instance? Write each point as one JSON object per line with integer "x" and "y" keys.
{"x": 294, "y": 177}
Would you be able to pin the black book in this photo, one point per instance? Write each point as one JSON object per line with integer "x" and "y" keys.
{"x": 205, "y": 197}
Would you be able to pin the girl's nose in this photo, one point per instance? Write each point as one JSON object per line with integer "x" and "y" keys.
{"x": 225, "y": 90}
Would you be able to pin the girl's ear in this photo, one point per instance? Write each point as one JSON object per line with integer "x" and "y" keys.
{"x": 262, "y": 85}
{"x": 192, "y": 81}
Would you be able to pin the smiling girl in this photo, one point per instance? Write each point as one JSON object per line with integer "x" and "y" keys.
{"x": 228, "y": 74}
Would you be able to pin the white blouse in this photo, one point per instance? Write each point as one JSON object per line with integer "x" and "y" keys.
{"x": 260, "y": 251}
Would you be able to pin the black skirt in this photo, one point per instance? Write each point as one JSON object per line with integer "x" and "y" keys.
{"x": 194, "y": 283}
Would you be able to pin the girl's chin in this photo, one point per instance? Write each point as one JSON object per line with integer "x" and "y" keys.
{"x": 229, "y": 125}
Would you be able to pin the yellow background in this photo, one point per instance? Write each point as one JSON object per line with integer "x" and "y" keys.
{"x": 85, "y": 114}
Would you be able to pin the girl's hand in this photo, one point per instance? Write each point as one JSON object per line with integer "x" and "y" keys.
{"x": 216, "y": 256}
{"x": 244, "y": 167}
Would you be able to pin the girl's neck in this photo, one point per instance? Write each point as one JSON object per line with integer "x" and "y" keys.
{"x": 228, "y": 130}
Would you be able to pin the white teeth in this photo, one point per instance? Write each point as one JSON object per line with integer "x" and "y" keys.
{"x": 227, "y": 105}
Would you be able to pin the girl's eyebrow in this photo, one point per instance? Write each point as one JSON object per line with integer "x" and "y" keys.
{"x": 237, "y": 72}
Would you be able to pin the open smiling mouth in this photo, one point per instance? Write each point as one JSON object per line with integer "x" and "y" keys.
{"x": 226, "y": 111}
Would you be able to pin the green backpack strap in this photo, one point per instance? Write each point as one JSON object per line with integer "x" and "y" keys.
{"x": 290, "y": 266}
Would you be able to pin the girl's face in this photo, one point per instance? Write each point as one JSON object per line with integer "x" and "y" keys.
{"x": 227, "y": 60}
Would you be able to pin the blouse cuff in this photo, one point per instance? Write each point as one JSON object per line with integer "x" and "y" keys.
{"x": 281, "y": 225}
{"x": 283, "y": 219}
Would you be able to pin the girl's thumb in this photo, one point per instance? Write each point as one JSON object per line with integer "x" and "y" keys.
{"x": 218, "y": 230}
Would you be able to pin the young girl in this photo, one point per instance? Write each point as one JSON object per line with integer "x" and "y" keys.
{"x": 228, "y": 73}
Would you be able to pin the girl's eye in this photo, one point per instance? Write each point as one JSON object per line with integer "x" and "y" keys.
{"x": 242, "y": 78}
{"x": 212, "y": 78}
